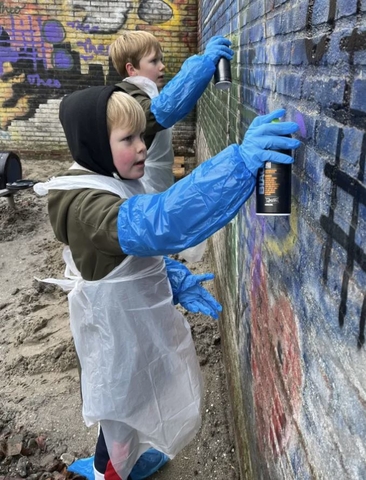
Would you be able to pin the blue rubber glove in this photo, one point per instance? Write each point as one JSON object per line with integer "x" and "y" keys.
{"x": 188, "y": 291}
{"x": 218, "y": 47}
{"x": 263, "y": 138}
{"x": 181, "y": 94}
{"x": 206, "y": 200}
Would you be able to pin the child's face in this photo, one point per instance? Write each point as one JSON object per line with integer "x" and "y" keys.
{"x": 128, "y": 152}
{"x": 152, "y": 67}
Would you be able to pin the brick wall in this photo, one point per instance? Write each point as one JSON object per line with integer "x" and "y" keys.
{"x": 49, "y": 49}
{"x": 293, "y": 289}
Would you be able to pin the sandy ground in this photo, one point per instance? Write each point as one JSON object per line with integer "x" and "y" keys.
{"x": 41, "y": 427}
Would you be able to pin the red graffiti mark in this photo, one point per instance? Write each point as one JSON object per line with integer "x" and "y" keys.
{"x": 276, "y": 365}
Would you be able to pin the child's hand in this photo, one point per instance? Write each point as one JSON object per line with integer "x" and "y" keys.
{"x": 263, "y": 140}
{"x": 187, "y": 289}
{"x": 197, "y": 299}
{"x": 218, "y": 47}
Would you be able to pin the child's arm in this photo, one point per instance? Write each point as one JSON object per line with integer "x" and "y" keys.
{"x": 180, "y": 95}
{"x": 206, "y": 200}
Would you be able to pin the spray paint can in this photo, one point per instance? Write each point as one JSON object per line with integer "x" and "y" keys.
{"x": 222, "y": 76}
{"x": 273, "y": 188}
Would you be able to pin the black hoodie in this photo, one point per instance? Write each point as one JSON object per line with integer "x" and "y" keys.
{"x": 83, "y": 115}
{"x": 86, "y": 219}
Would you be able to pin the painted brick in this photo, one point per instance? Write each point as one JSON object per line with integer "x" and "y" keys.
{"x": 320, "y": 12}
{"x": 269, "y": 80}
{"x": 256, "y": 33}
{"x": 298, "y": 53}
{"x": 343, "y": 212}
{"x": 360, "y": 58}
{"x": 260, "y": 55}
{"x": 258, "y": 77}
{"x": 337, "y": 53}
{"x": 326, "y": 92}
{"x": 279, "y": 53}
{"x": 345, "y": 8}
{"x": 351, "y": 145}
{"x": 256, "y": 9}
{"x": 289, "y": 84}
{"x": 297, "y": 17}
{"x": 359, "y": 95}
{"x": 274, "y": 26}
{"x": 314, "y": 166}
{"x": 326, "y": 137}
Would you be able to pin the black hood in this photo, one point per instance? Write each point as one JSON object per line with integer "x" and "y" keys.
{"x": 83, "y": 115}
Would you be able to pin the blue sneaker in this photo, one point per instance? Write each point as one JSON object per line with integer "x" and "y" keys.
{"x": 149, "y": 462}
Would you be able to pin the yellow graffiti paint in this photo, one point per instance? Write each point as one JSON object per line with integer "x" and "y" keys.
{"x": 282, "y": 247}
{"x": 7, "y": 114}
{"x": 93, "y": 47}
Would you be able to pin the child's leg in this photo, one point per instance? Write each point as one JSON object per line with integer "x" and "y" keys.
{"x": 149, "y": 462}
{"x": 103, "y": 467}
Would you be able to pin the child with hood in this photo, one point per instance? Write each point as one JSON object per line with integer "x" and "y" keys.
{"x": 140, "y": 377}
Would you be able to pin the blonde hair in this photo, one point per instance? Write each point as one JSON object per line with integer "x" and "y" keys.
{"x": 130, "y": 47}
{"x": 124, "y": 112}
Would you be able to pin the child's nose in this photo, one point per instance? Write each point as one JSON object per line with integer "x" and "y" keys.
{"x": 141, "y": 147}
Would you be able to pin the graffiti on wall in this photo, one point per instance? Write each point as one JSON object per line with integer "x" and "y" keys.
{"x": 49, "y": 50}
{"x": 353, "y": 186}
{"x": 347, "y": 240}
{"x": 348, "y": 114}
{"x": 275, "y": 354}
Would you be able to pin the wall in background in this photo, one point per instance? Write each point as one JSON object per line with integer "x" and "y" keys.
{"x": 293, "y": 289}
{"x": 49, "y": 49}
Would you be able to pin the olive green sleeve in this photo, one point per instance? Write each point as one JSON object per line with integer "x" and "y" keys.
{"x": 86, "y": 221}
{"x": 95, "y": 213}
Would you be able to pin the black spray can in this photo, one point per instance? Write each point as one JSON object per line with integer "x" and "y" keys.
{"x": 222, "y": 76}
{"x": 273, "y": 189}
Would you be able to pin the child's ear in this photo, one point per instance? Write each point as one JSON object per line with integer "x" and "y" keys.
{"x": 130, "y": 69}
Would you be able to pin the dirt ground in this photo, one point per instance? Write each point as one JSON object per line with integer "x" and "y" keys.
{"x": 41, "y": 427}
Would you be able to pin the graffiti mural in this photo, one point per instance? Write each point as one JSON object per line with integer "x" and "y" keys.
{"x": 351, "y": 117}
{"x": 47, "y": 51}
{"x": 297, "y": 285}
{"x": 275, "y": 364}
{"x": 323, "y": 45}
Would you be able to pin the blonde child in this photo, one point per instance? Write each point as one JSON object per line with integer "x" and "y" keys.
{"x": 139, "y": 373}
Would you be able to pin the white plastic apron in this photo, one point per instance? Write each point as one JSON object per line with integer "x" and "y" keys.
{"x": 140, "y": 375}
{"x": 158, "y": 175}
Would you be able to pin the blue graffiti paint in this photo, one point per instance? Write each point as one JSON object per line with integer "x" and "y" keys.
{"x": 62, "y": 59}
{"x": 299, "y": 119}
{"x": 83, "y": 27}
{"x": 53, "y": 31}
{"x": 37, "y": 80}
